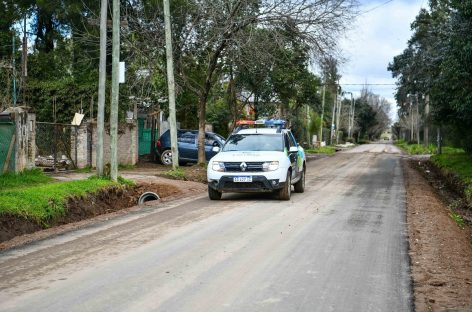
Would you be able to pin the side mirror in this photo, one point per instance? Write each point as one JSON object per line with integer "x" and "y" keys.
{"x": 293, "y": 149}
{"x": 216, "y": 149}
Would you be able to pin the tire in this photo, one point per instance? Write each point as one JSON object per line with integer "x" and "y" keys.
{"x": 285, "y": 192}
{"x": 166, "y": 158}
{"x": 214, "y": 194}
{"x": 299, "y": 187}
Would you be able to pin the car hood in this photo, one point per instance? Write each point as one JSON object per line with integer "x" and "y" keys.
{"x": 238, "y": 156}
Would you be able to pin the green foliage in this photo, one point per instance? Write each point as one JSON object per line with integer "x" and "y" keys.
{"x": 456, "y": 162}
{"x": 25, "y": 178}
{"x": 315, "y": 124}
{"x": 458, "y": 219}
{"x": 218, "y": 115}
{"x": 126, "y": 182}
{"x": 178, "y": 174}
{"x": 44, "y": 202}
{"x": 416, "y": 149}
{"x": 322, "y": 150}
{"x": 438, "y": 63}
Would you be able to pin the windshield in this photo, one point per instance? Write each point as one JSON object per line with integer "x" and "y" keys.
{"x": 254, "y": 142}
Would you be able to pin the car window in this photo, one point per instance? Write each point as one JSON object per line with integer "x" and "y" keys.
{"x": 291, "y": 139}
{"x": 209, "y": 140}
{"x": 254, "y": 142}
{"x": 286, "y": 141}
{"x": 221, "y": 138}
{"x": 187, "y": 137}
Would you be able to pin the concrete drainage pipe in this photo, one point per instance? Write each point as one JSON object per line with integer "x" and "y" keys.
{"x": 147, "y": 196}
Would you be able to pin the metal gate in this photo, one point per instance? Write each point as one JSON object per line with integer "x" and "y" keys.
{"x": 144, "y": 139}
{"x": 56, "y": 146}
{"x": 7, "y": 146}
{"x": 146, "y": 136}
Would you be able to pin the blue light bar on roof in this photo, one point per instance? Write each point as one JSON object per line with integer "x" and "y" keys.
{"x": 275, "y": 122}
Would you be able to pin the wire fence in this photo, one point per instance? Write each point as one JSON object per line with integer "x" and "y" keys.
{"x": 56, "y": 145}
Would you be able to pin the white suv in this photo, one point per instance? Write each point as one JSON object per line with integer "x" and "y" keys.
{"x": 258, "y": 160}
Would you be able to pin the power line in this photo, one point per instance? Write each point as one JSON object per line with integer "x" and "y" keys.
{"x": 376, "y": 7}
{"x": 367, "y": 84}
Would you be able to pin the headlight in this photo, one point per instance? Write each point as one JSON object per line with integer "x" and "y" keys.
{"x": 270, "y": 166}
{"x": 218, "y": 166}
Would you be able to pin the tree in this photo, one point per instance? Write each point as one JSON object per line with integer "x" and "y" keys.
{"x": 437, "y": 63}
{"x": 206, "y": 31}
{"x": 372, "y": 115}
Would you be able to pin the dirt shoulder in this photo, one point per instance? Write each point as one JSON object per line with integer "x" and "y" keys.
{"x": 440, "y": 250}
{"x": 94, "y": 208}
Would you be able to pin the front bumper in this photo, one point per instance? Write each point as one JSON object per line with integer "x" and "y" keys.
{"x": 258, "y": 184}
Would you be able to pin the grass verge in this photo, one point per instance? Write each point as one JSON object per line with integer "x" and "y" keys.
{"x": 322, "y": 150}
{"x": 26, "y": 178}
{"x": 178, "y": 174}
{"x": 34, "y": 196}
{"x": 416, "y": 149}
{"x": 456, "y": 162}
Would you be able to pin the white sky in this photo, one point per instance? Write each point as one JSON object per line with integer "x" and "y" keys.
{"x": 376, "y": 37}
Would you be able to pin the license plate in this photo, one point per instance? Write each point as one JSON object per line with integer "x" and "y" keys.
{"x": 242, "y": 179}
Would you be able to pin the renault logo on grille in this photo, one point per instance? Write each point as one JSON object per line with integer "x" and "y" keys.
{"x": 243, "y": 166}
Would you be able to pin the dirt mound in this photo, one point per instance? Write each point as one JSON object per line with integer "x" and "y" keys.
{"x": 80, "y": 208}
{"x": 11, "y": 226}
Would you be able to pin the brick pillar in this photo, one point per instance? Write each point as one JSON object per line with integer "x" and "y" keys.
{"x": 80, "y": 156}
{"x": 31, "y": 141}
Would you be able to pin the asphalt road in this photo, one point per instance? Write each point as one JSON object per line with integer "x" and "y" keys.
{"x": 340, "y": 246}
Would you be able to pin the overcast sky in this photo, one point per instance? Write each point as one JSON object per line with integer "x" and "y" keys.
{"x": 376, "y": 37}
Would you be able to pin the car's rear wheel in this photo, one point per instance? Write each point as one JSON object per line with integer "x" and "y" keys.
{"x": 299, "y": 187}
{"x": 285, "y": 192}
{"x": 213, "y": 194}
{"x": 166, "y": 157}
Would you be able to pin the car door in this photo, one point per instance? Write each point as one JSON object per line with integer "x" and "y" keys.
{"x": 187, "y": 146}
{"x": 300, "y": 154}
{"x": 289, "y": 142}
{"x": 210, "y": 141}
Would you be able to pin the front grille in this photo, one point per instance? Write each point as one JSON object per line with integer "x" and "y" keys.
{"x": 236, "y": 167}
{"x": 243, "y": 185}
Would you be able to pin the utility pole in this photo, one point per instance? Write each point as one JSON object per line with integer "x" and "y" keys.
{"x": 24, "y": 63}
{"x": 14, "y": 70}
{"x": 417, "y": 120}
{"x": 353, "y": 112}
{"x": 333, "y": 117}
{"x": 322, "y": 112}
{"x": 115, "y": 91}
{"x": 338, "y": 116}
{"x": 349, "y": 125}
{"x": 426, "y": 121}
{"x": 411, "y": 115}
{"x": 101, "y": 87}
{"x": 171, "y": 87}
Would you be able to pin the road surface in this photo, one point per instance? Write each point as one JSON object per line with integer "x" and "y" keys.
{"x": 340, "y": 246}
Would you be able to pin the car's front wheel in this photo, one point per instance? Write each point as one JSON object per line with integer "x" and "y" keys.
{"x": 213, "y": 194}
{"x": 166, "y": 157}
{"x": 299, "y": 187}
{"x": 285, "y": 192}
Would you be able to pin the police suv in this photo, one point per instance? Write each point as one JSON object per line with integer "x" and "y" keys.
{"x": 260, "y": 159}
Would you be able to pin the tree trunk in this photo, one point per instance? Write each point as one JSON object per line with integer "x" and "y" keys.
{"x": 201, "y": 129}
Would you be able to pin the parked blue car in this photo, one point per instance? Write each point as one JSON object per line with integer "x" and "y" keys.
{"x": 188, "y": 146}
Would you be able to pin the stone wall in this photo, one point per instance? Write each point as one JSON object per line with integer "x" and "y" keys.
{"x": 87, "y": 141}
{"x": 25, "y": 138}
